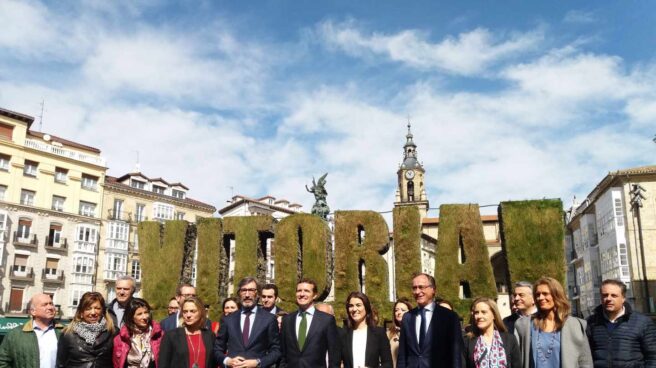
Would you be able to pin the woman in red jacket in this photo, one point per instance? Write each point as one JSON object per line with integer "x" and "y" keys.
{"x": 137, "y": 344}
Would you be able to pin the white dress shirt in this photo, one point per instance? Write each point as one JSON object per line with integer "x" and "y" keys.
{"x": 429, "y": 315}
{"x": 308, "y": 317}
{"x": 47, "y": 340}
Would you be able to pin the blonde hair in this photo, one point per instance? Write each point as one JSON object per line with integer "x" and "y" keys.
{"x": 561, "y": 307}
{"x": 201, "y": 309}
{"x": 85, "y": 302}
{"x": 498, "y": 322}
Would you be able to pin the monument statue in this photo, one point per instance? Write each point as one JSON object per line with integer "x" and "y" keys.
{"x": 320, "y": 207}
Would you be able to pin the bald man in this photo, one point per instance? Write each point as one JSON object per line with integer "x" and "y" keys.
{"x": 21, "y": 349}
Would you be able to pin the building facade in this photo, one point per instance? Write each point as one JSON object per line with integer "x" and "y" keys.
{"x": 50, "y": 201}
{"x": 128, "y": 200}
{"x": 603, "y": 241}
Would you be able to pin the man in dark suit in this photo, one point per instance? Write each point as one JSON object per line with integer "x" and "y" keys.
{"x": 308, "y": 334}
{"x": 269, "y": 297}
{"x": 182, "y": 292}
{"x": 248, "y": 338}
{"x": 430, "y": 334}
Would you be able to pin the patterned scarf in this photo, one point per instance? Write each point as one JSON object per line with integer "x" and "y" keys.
{"x": 493, "y": 356}
{"x": 89, "y": 331}
{"x": 140, "y": 354}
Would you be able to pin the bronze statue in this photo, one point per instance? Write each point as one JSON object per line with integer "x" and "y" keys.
{"x": 320, "y": 207}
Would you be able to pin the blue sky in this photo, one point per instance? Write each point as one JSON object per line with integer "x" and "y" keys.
{"x": 508, "y": 100}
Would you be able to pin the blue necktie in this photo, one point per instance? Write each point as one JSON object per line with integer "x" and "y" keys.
{"x": 422, "y": 327}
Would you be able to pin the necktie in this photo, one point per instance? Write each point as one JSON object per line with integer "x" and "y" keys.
{"x": 422, "y": 327}
{"x": 247, "y": 327}
{"x": 302, "y": 331}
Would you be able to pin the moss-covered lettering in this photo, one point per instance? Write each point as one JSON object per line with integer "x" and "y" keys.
{"x": 302, "y": 249}
{"x": 210, "y": 264}
{"x": 532, "y": 237}
{"x": 361, "y": 237}
{"x": 462, "y": 260}
{"x": 407, "y": 248}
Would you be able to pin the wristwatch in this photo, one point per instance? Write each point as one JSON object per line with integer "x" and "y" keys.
{"x": 259, "y": 363}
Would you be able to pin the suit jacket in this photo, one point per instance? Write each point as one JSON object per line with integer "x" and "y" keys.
{"x": 174, "y": 351}
{"x": 321, "y": 338}
{"x": 171, "y": 323}
{"x": 377, "y": 353}
{"x": 263, "y": 341}
{"x": 510, "y": 346}
{"x": 442, "y": 346}
{"x": 574, "y": 348}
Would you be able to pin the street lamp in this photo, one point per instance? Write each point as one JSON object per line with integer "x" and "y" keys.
{"x": 636, "y": 203}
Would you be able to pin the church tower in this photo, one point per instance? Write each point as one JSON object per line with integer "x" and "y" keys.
{"x": 410, "y": 176}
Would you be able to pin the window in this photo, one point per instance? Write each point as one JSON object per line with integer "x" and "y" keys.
{"x": 3, "y": 227}
{"x": 89, "y": 182}
{"x": 87, "y": 209}
{"x": 20, "y": 263}
{"x": 6, "y": 131}
{"x": 27, "y": 197}
{"x": 61, "y": 175}
{"x": 159, "y": 190}
{"x": 3, "y": 191}
{"x": 30, "y": 168}
{"x": 115, "y": 265}
{"x": 86, "y": 238}
{"x": 51, "y": 266}
{"x": 162, "y": 211}
{"x": 76, "y": 294}
{"x": 54, "y": 235}
{"x": 4, "y": 162}
{"x": 179, "y": 215}
{"x": 618, "y": 212}
{"x": 24, "y": 226}
{"x": 178, "y": 194}
{"x": 141, "y": 212}
{"x": 137, "y": 184}
{"x": 58, "y": 203}
{"x": 118, "y": 231}
{"x": 118, "y": 209}
{"x": 83, "y": 269}
{"x": 136, "y": 270}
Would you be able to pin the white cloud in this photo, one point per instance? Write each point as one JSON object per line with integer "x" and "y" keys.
{"x": 469, "y": 53}
{"x": 579, "y": 17}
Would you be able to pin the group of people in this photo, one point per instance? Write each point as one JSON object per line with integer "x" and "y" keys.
{"x": 254, "y": 332}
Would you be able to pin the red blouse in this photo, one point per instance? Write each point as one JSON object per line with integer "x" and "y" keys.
{"x": 196, "y": 351}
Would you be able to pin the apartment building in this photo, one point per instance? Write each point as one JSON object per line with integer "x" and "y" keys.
{"x": 50, "y": 200}
{"x": 128, "y": 200}
{"x": 603, "y": 241}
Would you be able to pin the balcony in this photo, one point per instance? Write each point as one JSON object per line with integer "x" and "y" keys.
{"x": 113, "y": 275}
{"x": 28, "y": 242}
{"x": 119, "y": 215}
{"x": 63, "y": 152}
{"x": 21, "y": 273}
{"x": 61, "y": 247}
{"x": 52, "y": 276}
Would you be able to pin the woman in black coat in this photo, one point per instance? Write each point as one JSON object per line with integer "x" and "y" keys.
{"x": 191, "y": 344}
{"x": 488, "y": 344}
{"x": 361, "y": 332}
{"x": 87, "y": 342}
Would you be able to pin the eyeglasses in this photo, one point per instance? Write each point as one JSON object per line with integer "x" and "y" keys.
{"x": 247, "y": 290}
{"x": 420, "y": 287}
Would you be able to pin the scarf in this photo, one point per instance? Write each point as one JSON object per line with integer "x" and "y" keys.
{"x": 89, "y": 331}
{"x": 493, "y": 356}
{"x": 140, "y": 354}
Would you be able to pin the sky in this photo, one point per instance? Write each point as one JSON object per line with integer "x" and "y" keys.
{"x": 508, "y": 100}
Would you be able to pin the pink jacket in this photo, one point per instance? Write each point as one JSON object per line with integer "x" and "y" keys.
{"x": 122, "y": 345}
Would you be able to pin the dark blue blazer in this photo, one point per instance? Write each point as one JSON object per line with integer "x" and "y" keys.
{"x": 263, "y": 342}
{"x": 321, "y": 338}
{"x": 442, "y": 346}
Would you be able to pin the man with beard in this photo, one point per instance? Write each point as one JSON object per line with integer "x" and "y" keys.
{"x": 248, "y": 338}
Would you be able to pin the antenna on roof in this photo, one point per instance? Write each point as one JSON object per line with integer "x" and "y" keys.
{"x": 43, "y": 102}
